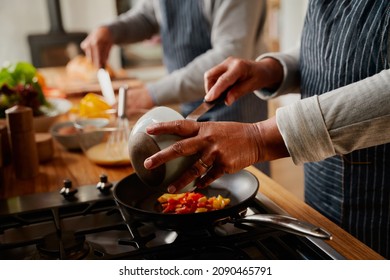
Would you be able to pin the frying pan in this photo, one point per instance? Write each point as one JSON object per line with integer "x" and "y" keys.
{"x": 140, "y": 202}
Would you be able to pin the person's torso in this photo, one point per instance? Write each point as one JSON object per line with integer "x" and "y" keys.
{"x": 344, "y": 42}
{"x": 186, "y": 33}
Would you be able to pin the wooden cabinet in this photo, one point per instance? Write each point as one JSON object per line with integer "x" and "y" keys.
{"x": 272, "y": 28}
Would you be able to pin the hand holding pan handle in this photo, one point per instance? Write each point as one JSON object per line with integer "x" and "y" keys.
{"x": 286, "y": 223}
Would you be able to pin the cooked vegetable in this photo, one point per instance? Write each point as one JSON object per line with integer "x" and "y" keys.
{"x": 20, "y": 84}
{"x": 191, "y": 202}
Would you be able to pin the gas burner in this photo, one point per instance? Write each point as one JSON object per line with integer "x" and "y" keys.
{"x": 63, "y": 245}
{"x": 93, "y": 226}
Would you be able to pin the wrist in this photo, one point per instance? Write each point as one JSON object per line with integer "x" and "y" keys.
{"x": 272, "y": 71}
{"x": 270, "y": 140}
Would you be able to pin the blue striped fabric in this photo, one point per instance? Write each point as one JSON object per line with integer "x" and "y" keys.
{"x": 184, "y": 31}
{"x": 343, "y": 42}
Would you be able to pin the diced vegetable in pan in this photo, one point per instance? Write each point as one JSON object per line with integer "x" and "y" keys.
{"x": 191, "y": 202}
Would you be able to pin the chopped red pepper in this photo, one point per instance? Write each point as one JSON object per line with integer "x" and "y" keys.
{"x": 191, "y": 202}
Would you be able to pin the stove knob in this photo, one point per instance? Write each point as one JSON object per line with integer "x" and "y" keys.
{"x": 104, "y": 186}
{"x": 67, "y": 190}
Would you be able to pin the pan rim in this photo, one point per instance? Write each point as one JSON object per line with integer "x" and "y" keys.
{"x": 153, "y": 214}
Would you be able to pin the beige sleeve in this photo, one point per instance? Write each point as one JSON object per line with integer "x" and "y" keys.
{"x": 338, "y": 122}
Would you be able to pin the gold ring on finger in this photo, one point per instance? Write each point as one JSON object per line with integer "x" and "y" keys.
{"x": 203, "y": 164}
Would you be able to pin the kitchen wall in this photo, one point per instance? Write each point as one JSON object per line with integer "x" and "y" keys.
{"x": 18, "y": 18}
{"x": 292, "y": 15}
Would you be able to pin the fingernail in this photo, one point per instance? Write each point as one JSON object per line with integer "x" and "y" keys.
{"x": 148, "y": 163}
{"x": 229, "y": 100}
{"x": 149, "y": 129}
{"x": 171, "y": 189}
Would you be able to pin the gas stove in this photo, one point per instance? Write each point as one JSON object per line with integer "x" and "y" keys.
{"x": 86, "y": 223}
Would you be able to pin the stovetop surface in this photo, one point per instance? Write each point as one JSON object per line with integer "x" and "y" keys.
{"x": 92, "y": 226}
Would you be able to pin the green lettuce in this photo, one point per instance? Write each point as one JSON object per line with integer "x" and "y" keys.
{"x": 19, "y": 85}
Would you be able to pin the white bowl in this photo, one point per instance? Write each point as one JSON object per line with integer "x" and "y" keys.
{"x": 139, "y": 149}
{"x": 104, "y": 143}
{"x": 70, "y": 140}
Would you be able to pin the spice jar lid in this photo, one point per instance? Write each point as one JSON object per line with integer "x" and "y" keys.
{"x": 19, "y": 118}
{"x": 45, "y": 146}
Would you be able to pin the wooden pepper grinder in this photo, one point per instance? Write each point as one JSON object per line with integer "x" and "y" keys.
{"x": 22, "y": 138}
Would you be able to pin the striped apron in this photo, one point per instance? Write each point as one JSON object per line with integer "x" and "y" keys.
{"x": 345, "y": 41}
{"x": 186, "y": 34}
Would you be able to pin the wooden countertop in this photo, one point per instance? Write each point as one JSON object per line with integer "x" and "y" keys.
{"x": 76, "y": 167}
{"x": 57, "y": 77}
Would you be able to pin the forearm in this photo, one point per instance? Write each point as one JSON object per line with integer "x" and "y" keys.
{"x": 185, "y": 84}
{"x": 270, "y": 140}
{"x": 338, "y": 122}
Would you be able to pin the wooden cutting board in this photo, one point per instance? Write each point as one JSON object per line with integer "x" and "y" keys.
{"x": 57, "y": 78}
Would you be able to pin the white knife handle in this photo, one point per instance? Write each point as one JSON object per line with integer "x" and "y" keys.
{"x": 106, "y": 86}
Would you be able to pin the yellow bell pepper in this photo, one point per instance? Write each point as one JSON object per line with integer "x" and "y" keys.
{"x": 94, "y": 106}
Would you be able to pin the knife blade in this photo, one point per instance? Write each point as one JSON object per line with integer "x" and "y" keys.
{"x": 106, "y": 86}
{"x": 206, "y": 106}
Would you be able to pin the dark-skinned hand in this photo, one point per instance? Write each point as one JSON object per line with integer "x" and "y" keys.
{"x": 221, "y": 147}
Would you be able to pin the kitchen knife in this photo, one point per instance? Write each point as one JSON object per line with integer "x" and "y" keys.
{"x": 206, "y": 106}
{"x": 106, "y": 86}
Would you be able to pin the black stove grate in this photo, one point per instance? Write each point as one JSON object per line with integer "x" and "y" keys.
{"x": 97, "y": 229}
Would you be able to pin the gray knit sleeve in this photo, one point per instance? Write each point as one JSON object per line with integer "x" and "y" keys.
{"x": 290, "y": 84}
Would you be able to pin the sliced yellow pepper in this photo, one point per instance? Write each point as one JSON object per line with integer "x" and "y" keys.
{"x": 93, "y": 106}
